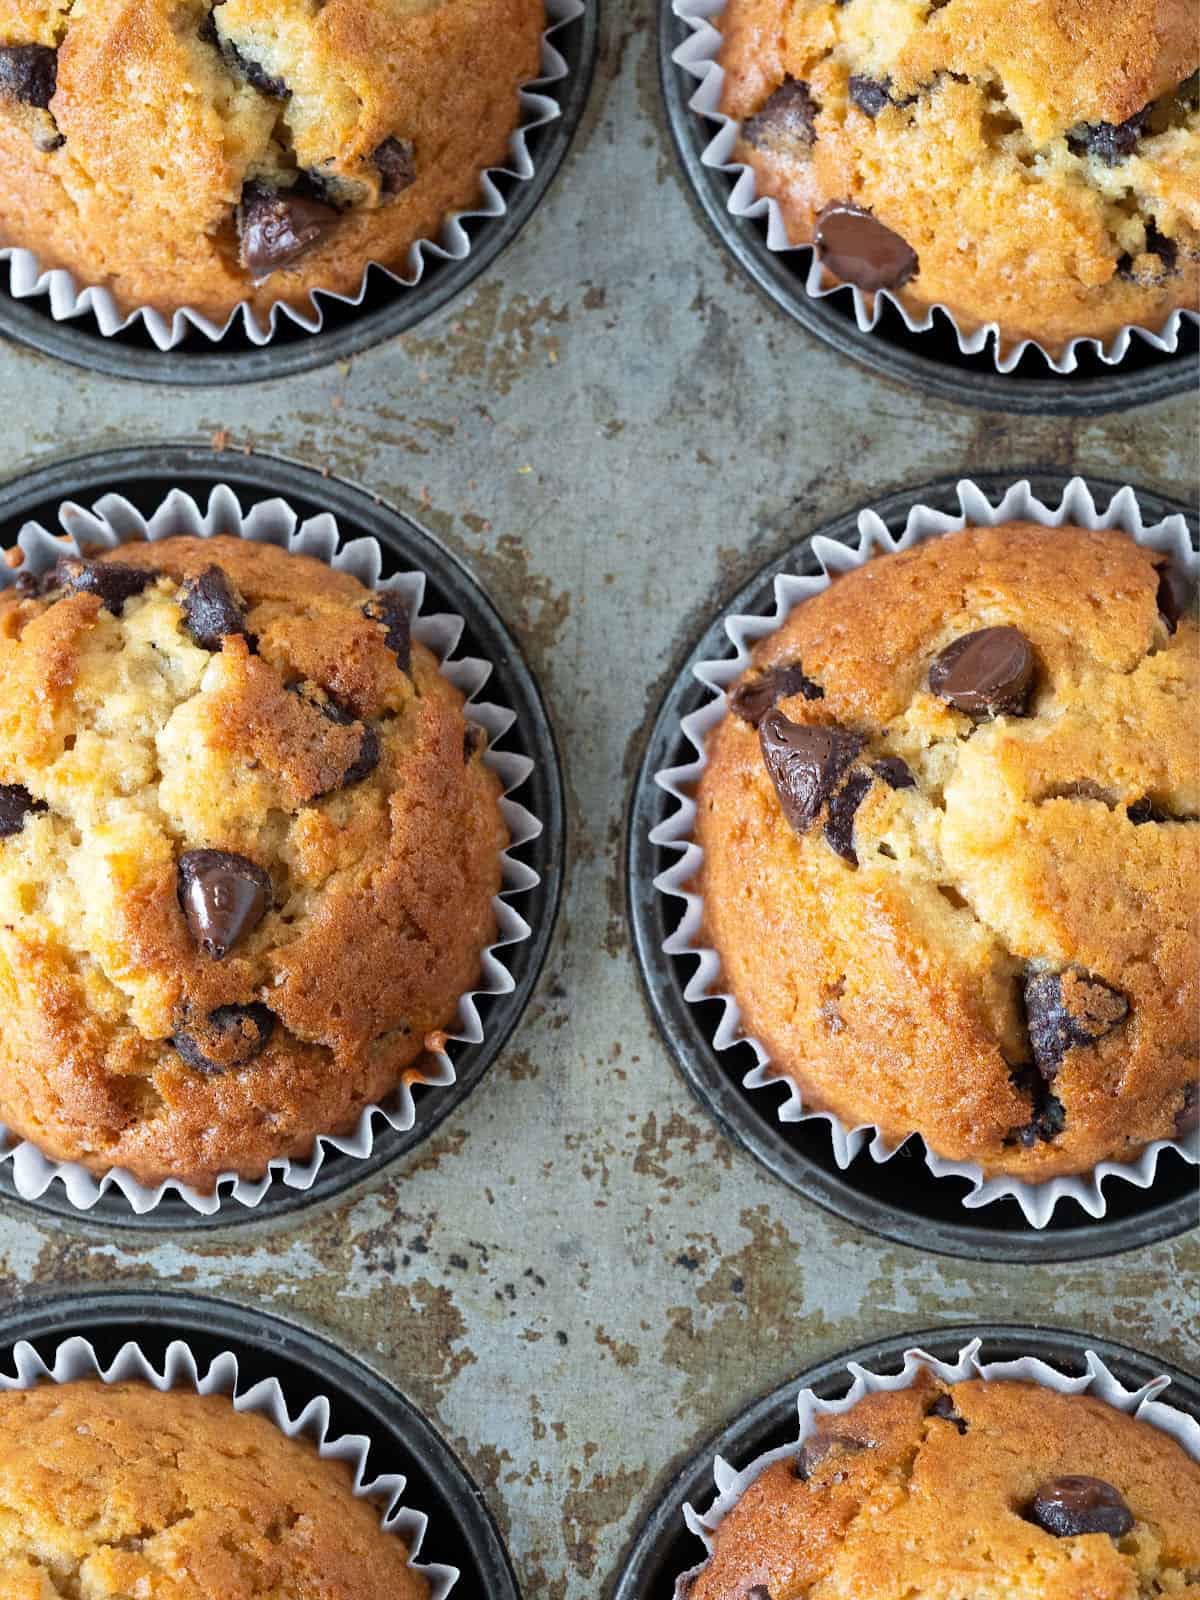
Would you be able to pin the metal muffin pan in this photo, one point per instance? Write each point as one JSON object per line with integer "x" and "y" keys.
{"x": 145, "y": 475}
{"x": 388, "y": 308}
{"x": 930, "y": 361}
{"x": 664, "y": 1549}
{"x": 899, "y": 1199}
{"x": 461, "y": 1533}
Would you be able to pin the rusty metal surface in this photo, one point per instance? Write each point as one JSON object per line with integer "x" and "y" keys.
{"x": 579, "y": 1278}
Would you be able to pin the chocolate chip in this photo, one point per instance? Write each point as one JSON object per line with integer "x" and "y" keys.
{"x": 474, "y": 740}
{"x": 1159, "y": 245}
{"x": 211, "y": 610}
{"x": 1110, "y": 142}
{"x": 988, "y": 673}
{"x": 390, "y": 608}
{"x": 113, "y": 581}
{"x": 1187, "y": 1118}
{"x": 1143, "y": 811}
{"x": 230, "y": 1037}
{"x": 943, "y": 1407}
{"x": 278, "y": 226}
{"x": 870, "y": 94}
{"x": 1074, "y": 1504}
{"x": 224, "y": 897}
{"x": 839, "y": 827}
{"x": 1049, "y": 1115}
{"x": 367, "y": 758}
{"x": 16, "y": 803}
{"x": 1065, "y": 1009}
{"x": 1174, "y": 594}
{"x": 786, "y": 124}
{"x": 820, "y": 1448}
{"x": 894, "y": 772}
{"x": 758, "y": 1591}
{"x": 806, "y": 764}
{"x": 255, "y": 75}
{"x": 860, "y": 249}
{"x": 751, "y": 701}
{"x": 395, "y": 161}
{"x": 28, "y": 73}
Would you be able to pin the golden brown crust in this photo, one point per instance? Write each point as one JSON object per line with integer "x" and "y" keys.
{"x": 975, "y": 156}
{"x": 442, "y": 75}
{"x": 144, "y": 746}
{"x": 893, "y": 993}
{"x": 109, "y": 1490}
{"x": 931, "y": 1510}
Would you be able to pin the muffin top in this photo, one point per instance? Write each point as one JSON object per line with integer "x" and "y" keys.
{"x": 292, "y": 142}
{"x": 950, "y": 835}
{"x": 994, "y": 1490}
{"x": 1036, "y": 166}
{"x": 114, "y": 1490}
{"x": 248, "y": 853}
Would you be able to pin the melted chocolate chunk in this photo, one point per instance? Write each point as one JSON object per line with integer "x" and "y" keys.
{"x": 986, "y": 674}
{"x": 820, "y": 1448}
{"x": 211, "y": 610}
{"x": 860, "y": 249}
{"x": 786, "y": 124}
{"x": 276, "y": 227}
{"x": 1187, "y": 1118}
{"x": 395, "y": 161}
{"x": 1049, "y": 1115}
{"x": 1157, "y": 244}
{"x": 894, "y": 772}
{"x": 839, "y": 826}
{"x": 1110, "y": 142}
{"x": 255, "y": 75}
{"x": 28, "y": 73}
{"x": 367, "y": 758}
{"x": 1075, "y": 1504}
{"x": 751, "y": 701}
{"x": 230, "y": 1037}
{"x": 223, "y": 897}
{"x": 390, "y": 609}
{"x": 113, "y": 581}
{"x": 16, "y": 803}
{"x": 1145, "y": 810}
{"x": 943, "y": 1407}
{"x": 1174, "y": 594}
{"x": 806, "y": 764}
{"x": 1065, "y": 1009}
{"x": 870, "y": 94}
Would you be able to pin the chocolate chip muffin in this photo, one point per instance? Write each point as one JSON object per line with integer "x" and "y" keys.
{"x": 984, "y": 1489}
{"x": 951, "y": 830}
{"x": 115, "y": 1489}
{"x": 1035, "y": 166}
{"x": 248, "y": 853}
{"x": 200, "y": 155}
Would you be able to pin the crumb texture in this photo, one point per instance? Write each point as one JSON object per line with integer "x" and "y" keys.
{"x": 117, "y": 1492}
{"x": 970, "y": 913}
{"x": 929, "y": 1493}
{"x": 1041, "y": 161}
{"x": 252, "y": 149}
{"x": 241, "y": 880}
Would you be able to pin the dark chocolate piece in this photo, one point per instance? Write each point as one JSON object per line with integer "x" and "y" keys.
{"x": 806, "y": 764}
{"x": 230, "y": 1037}
{"x": 819, "y": 1448}
{"x": 839, "y": 826}
{"x": 870, "y": 94}
{"x": 395, "y": 161}
{"x": 211, "y": 609}
{"x": 1110, "y": 142}
{"x": 786, "y": 123}
{"x": 943, "y": 1407}
{"x": 113, "y": 581}
{"x": 255, "y": 75}
{"x": 1065, "y": 1009}
{"x": 28, "y": 73}
{"x": 276, "y": 227}
{"x": 1174, "y": 594}
{"x": 895, "y": 772}
{"x": 16, "y": 803}
{"x": 860, "y": 249}
{"x": 390, "y": 609}
{"x": 1157, "y": 244}
{"x": 988, "y": 673}
{"x": 1049, "y": 1116}
{"x": 1075, "y": 1505}
{"x": 751, "y": 701}
{"x": 1187, "y": 1118}
{"x": 224, "y": 897}
{"x": 367, "y": 758}
{"x": 474, "y": 740}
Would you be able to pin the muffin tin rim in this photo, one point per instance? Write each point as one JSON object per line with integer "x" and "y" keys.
{"x": 738, "y": 1439}
{"x": 944, "y": 380}
{"x": 741, "y": 1119}
{"x": 196, "y": 469}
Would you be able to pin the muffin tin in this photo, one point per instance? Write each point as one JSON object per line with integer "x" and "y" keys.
{"x": 899, "y": 1199}
{"x": 663, "y": 1548}
{"x": 144, "y": 476}
{"x": 388, "y": 309}
{"x": 930, "y": 361}
{"x": 461, "y": 1531}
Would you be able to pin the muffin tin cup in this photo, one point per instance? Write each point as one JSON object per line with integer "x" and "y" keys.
{"x": 306, "y": 1386}
{"x": 48, "y": 309}
{"x": 664, "y": 1556}
{"x": 701, "y": 1020}
{"x": 506, "y": 968}
{"x": 966, "y": 366}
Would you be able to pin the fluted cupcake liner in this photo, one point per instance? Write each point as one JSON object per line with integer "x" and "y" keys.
{"x": 1078, "y": 508}
{"x": 113, "y": 521}
{"x": 76, "y": 1360}
{"x": 1142, "y": 1404}
{"x": 67, "y": 299}
{"x": 699, "y": 56}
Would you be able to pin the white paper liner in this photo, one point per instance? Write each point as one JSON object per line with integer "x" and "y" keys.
{"x": 113, "y": 521}
{"x": 27, "y": 277}
{"x": 76, "y": 1359}
{"x": 1143, "y": 1404}
{"x": 1077, "y": 508}
{"x": 697, "y": 56}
